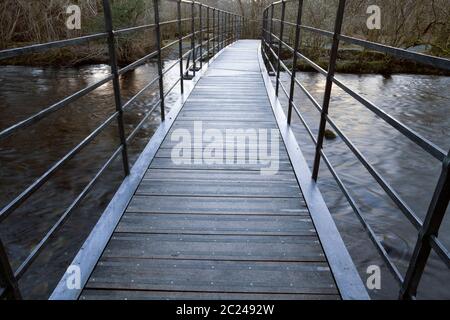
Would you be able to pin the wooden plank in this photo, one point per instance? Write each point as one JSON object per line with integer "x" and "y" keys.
{"x": 213, "y": 276}
{"x": 281, "y": 177}
{"x": 216, "y": 224}
{"x": 93, "y": 294}
{"x": 206, "y": 188}
{"x": 216, "y": 205}
{"x": 215, "y": 247}
{"x": 167, "y": 163}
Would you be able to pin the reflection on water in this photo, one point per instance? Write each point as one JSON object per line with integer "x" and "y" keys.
{"x": 422, "y": 103}
{"x": 28, "y": 154}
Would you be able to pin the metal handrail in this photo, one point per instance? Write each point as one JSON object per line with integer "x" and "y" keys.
{"x": 429, "y": 228}
{"x": 9, "y": 278}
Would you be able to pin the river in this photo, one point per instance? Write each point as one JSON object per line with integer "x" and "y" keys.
{"x": 421, "y": 102}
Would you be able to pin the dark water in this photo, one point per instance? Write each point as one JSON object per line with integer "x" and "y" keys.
{"x": 422, "y": 102}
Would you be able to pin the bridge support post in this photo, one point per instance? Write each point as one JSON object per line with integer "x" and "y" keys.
{"x": 329, "y": 86}
{"x": 295, "y": 59}
{"x": 214, "y": 32}
{"x": 200, "y": 9}
{"x": 194, "y": 66}
{"x": 180, "y": 45}
{"x": 116, "y": 83}
{"x": 428, "y": 233}
{"x": 160, "y": 69}
{"x": 208, "y": 54}
{"x": 280, "y": 46}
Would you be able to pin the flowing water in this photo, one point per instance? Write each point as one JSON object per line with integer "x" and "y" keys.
{"x": 422, "y": 102}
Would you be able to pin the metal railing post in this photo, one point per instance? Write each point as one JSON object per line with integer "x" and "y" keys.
{"x": 116, "y": 83}
{"x": 7, "y": 280}
{"x": 194, "y": 65}
{"x": 160, "y": 69}
{"x": 225, "y": 28}
{"x": 180, "y": 46}
{"x": 430, "y": 228}
{"x": 200, "y": 7}
{"x": 329, "y": 86}
{"x": 280, "y": 46}
{"x": 295, "y": 59}
{"x": 264, "y": 32}
{"x": 214, "y": 32}
{"x": 271, "y": 26}
{"x": 209, "y": 34}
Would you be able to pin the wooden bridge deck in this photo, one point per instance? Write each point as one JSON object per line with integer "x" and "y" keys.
{"x": 217, "y": 230}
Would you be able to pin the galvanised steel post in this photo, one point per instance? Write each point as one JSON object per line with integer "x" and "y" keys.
{"x": 272, "y": 8}
{"x": 295, "y": 59}
{"x": 280, "y": 46}
{"x": 194, "y": 66}
{"x": 200, "y": 7}
{"x": 180, "y": 45}
{"x": 214, "y": 31}
{"x": 160, "y": 69}
{"x": 329, "y": 86}
{"x": 116, "y": 83}
{"x": 7, "y": 280}
{"x": 430, "y": 228}
{"x": 208, "y": 54}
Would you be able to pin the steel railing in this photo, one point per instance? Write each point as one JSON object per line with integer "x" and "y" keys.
{"x": 223, "y": 34}
{"x": 429, "y": 228}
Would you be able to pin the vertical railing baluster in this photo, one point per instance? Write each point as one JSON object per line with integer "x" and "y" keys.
{"x": 209, "y": 34}
{"x": 160, "y": 68}
{"x": 295, "y": 59}
{"x": 194, "y": 65}
{"x": 200, "y": 7}
{"x": 225, "y": 30}
{"x": 264, "y": 32}
{"x": 280, "y": 46}
{"x": 180, "y": 46}
{"x": 430, "y": 228}
{"x": 221, "y": 30}
{"x": 214, "y": 32}
{"x": 272, "y": 10}
{"x": 116, "y": 83}
{"x": 7, "y": 280}
{"x": 329, "y": 86}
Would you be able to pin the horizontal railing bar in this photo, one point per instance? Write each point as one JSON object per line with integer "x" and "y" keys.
{"x": 440, "y": 250}
{"x": 408, "y": 212}
{"x": 268, "y": 60}
{"x": 134, "y": 29}
{"x": 6, "y": 211}
{"x": 42, "y": 244}
{"x": 352, "y": 203}
{"x": 436, "y": 62}
{"x": 422, "y": 142}
{"x": 55, "y": 107}
{"x": 439, "y": 63}
{"x": 425, "y": 144}
{"x": 37, "y": 48}
{"x": 378, "y": 245}
{"x": 302, "y": 119}
{"x": 138, "y": 63}
{"x": 172, "y": 87}
{"x": 131, "y": 100}
{"x": 141, "y": 123}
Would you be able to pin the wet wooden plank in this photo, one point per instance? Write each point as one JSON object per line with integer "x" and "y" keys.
{"x": 219, "y": 188}
{"x": 216, "y": 205}
{"x": 281, "y": 177}
{"x": 213, "y": 276}
{"x": 216, "y": 224}
{"x": 94, "y": 294}
{"x": 215, "y": 247}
